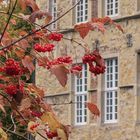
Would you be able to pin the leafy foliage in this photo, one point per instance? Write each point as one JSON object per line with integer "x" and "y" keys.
{"x": 22, "y": 108}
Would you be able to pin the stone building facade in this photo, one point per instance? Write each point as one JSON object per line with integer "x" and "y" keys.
{"x": 117, "y": 92}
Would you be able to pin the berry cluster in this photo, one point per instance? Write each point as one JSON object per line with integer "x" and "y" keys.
{"x": 76, "y": 68}
{"x": 88, "y": 58}
{"x": 51, "y": 135}
{"x": 12, "y": 67}
{"x": 11, "y": 89}
{"x": 64, "y": 59}
{"x": 59, "y": 60}
{"x": 34, "y": 126}
{"x": 55, "y": 36}
{"x": 95, "y": 62}
{"x": 36, "y": 114}
{"x": 45, "y": 48}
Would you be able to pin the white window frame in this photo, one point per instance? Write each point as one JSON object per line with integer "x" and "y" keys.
{"x": 81, "y": 97}
{"x": 111, "y": 91}
{"x": 53, "y": 7}
{"x": 114, "y": 8}
{"x": 82, "y": 14}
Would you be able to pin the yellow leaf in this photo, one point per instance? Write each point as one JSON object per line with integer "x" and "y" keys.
{"x": 3, "y": 135}
{"x": 53, "y": 123}
{"x": 61, "y": 134}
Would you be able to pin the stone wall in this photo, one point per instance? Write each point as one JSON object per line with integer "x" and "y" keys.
{"x": 112, "y": 44}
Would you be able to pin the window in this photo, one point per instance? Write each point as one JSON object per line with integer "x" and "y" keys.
{"x": 82, "y": 11}
{"x": 53, "y": 10}
{"x": 111, "y": 94}
{"x": 111, "y": 7}
{"x": 81, "y": 97}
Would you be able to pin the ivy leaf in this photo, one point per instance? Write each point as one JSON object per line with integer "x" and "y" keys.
{"x": 27, "y": 62}
{"x": 40, "y": 14}
{"x": 60, "y": 71}
{"x": 93, "y": 109}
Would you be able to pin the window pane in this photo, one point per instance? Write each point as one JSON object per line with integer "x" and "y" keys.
{"x": 111, "y": 95}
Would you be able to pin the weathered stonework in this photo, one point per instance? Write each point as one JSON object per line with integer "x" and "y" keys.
{"x": 112, "y": 44}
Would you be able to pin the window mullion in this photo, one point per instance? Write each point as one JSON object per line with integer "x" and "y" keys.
{"x": 84, "y": 10}
{"x": 114, "y": 7}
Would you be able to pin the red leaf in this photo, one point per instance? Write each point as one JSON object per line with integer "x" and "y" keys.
{"x": 43, "y": 61}
{"x": 99, "y": 60}
{"x": 28, "y": 63}
{"x": 83, "y": 29}
{"x": 95, "y": 23}
{"x": 99, "y": 26}
{"x": 60, "y": 71}
{"x": 93, "y": 108}
{"x": 36, "y": 90}
{"x": 119, "y": 27}
{"x": 30, "y": 3}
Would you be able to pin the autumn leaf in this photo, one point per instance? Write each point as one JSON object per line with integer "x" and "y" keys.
{"x": 28, "y": 3}
{"x": 61, "y": 134}
{"x": 19, "y": 52}
{"x": 83, "y": 29}
{"x": 53, "y": 123}
{"x": 43, "y": 61}
{"x": 23, "y": 44}
{"x": 40, "y": 14}
{"x": 27, "y": 62}
{"x": 2, "y": 109}
{"x": 93, "y": 109}
{"x": 95, "y": 23}
{"x": 119, "y": 27}
{"x": 99, "y": 60}
{"x": 3, "y": 135}
{"x": 18, "y": 97}
{"x": 36, "y": 90}
{"x": 99, "y": 26}
{"x": 60, "y": 71}
{"x": 25, "y": 104}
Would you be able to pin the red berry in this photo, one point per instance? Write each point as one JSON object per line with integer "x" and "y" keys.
{"x": 76, "y": 68}
{"x": 48, "y": 47}
{"x": 11, "y": 89}
{"x": 55, "y": 36}
{"x": 36, "y": 114}
{"x": 12, "y": 67}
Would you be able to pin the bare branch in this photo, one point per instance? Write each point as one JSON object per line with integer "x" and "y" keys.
{"x": 8, "y": 20}
{"x": 33, "y": 32}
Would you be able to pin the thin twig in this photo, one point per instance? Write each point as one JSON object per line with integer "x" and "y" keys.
{"x": 13, "y": 123}
{"x": 8, "y": 20}
{"x": 33, "y": 32}
{"x": 12, "y": 132}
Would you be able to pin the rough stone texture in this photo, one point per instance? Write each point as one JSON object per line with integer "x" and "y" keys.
{"x": 112, "y": 44}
